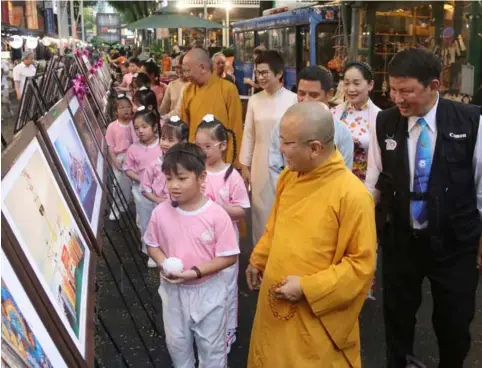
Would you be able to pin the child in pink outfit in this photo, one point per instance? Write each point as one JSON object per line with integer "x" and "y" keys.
{"x": 225, "y": 186}
{"x": 119, "y": 138}
{"x": 200, "y": 233}
{"x": 139, "y": 157}
{"x": 153, "y": 183}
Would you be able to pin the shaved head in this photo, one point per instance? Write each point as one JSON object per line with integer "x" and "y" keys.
{"x": 306, "y": 135}
{"x": 199, "y": 55}
{"x": 315, "y": 121}
{"x": 197, "y": 66}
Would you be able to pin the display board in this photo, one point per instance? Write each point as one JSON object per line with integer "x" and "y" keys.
{"x": 75, "y": 161}
{"x": 25, "y": 339}
{"x": 89, "y": 131}
{"x": 48, "y": 237}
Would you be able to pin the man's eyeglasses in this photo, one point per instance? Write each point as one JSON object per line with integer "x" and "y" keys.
{"x": 261, "y": 73}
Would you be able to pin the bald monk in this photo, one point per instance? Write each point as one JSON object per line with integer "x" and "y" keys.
{"x": 209, "y": 94}
{"x": 316, "y": 259}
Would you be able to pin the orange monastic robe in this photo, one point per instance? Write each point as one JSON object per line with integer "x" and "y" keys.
{"x": 321, "y": 228}
{"x": 218, "y": 97}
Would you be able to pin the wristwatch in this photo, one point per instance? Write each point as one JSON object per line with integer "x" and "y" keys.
{"x": 198, "y": 272}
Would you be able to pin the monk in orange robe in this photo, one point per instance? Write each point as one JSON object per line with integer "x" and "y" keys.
{"x": 316, "y": 259}
{"x": 209, "y": 94}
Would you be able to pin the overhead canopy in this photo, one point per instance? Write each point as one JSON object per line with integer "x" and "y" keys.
{"x": 173, "y": 20}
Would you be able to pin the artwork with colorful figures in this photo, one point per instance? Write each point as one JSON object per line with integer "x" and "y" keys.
{"x": 51, "y": 240}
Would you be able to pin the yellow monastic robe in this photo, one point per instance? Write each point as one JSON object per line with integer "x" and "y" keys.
{"x": 218, "y": 97}
{"x": 321, "y": 228}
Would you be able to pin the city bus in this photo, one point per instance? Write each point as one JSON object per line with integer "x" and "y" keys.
{"x": 304, "y": 36}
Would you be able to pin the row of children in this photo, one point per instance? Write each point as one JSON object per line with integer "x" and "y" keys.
{"x": 137, "y": 74}
{"x": 188, "y": 202}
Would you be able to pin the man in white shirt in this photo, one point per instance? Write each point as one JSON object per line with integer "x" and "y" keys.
{"x": 425, "y": 173}
{"x": 314, "y": 84}
{"x": 23, "y": 70}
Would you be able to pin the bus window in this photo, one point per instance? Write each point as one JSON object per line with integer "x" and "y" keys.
{"x": 290, "y": 46}
{"x": 282, "y": 40}
{"x": 263, "y": 39}
{"x": 325, "y": 43}
{"x": 248, "y": 47}
{"x": 305, "y": 46}
{"x": 244, "y": 46}
{"x": 239, "y": 49}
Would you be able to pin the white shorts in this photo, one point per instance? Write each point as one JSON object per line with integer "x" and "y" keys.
{"x": 123, "y": 181}
{"x": 230, "y": 276}
{"x": 144, "y": 208}
{"x": 199, "y": 312}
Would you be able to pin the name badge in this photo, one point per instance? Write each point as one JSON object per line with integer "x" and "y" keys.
{"x": 457, "y": 136}
{"x": 390, "y": 144}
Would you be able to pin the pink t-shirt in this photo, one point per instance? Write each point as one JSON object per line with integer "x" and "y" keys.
{"x": 195, "y": 237}
{"x": 119, "y": 136}
{"x": 140, "y": 156}
{"x": 154, "y": 181}
{"x": 127, "y": 79}
{"x": 232, "y": 191}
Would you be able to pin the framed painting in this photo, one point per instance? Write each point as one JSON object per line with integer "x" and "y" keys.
{"x": 97, "y": 91}
{"x": 25, "y": 339}
{"x": 38, "y": 214}
{"x": 74, "y": 161}
{"x": 89, "y": 132}
{"x": 97, "y": 122}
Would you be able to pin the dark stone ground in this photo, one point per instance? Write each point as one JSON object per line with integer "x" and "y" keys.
{"x": 113, "y": 311}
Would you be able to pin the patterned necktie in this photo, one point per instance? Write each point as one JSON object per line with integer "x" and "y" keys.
{"x": 423, "y": 164}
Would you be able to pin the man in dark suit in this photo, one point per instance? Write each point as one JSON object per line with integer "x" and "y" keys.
{"x": 425, "y": 172}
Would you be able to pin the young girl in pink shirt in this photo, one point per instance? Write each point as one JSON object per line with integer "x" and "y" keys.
{"x": 140, "y": 155}
{"x": 225, "y": 186}
{"x": 119, "y": 137}
{"x": 153, "y": 181}
{"x": 200, "y": 234}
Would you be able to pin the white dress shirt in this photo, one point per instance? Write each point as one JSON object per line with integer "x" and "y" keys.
{"x": 21, "y": 72}
{"x": 375, "y": 160}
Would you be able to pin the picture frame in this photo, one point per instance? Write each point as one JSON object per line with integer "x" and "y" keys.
{"x": 52, "y": 246}
{"x": 29, "y": 336}
{"x": 90, "y": 133}
{"x": 97, "y": 97}
{"x": 61, "y": 137}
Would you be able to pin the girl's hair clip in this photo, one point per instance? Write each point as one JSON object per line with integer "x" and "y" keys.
{"x": 150, "y": 60}
{"x": 122, "y": 95}
{"x": 136, "y": 75}
{"x": 143, "y": 88}
{"x": 141, "y": 108}
{"x": 174, "y": 119}
{"x": 209, "y": 118}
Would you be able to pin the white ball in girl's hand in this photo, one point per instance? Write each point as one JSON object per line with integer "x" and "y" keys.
{"x": 172, "y": 265}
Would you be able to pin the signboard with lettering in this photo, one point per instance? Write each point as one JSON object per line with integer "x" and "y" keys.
{"x": 49, "y": 17}
{"x": 109, "y": 27}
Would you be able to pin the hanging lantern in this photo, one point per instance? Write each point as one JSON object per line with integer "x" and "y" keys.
{"x": 47, "y": 41}
{"x": 32, "y": 42}
{"x": 17, "y": 42}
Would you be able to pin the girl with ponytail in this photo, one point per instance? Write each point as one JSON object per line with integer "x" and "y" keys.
{"x": 225, "y": 186}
